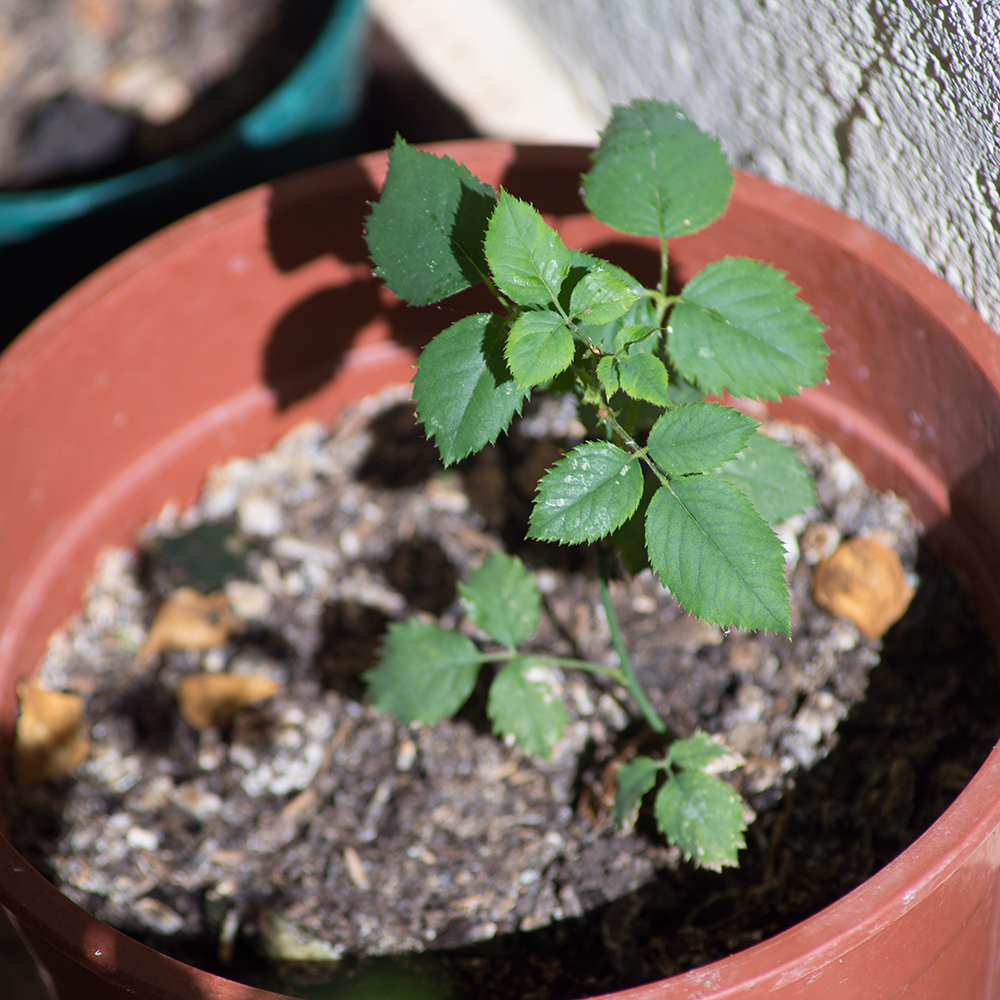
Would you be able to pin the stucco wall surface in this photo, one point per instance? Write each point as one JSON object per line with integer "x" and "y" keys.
{"x": 887, "y": 110}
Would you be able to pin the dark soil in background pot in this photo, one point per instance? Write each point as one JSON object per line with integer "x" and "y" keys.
{"x": 314, "y": 830}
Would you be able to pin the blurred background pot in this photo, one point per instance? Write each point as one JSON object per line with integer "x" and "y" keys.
{"x": 215, "y": 336}
{"x": 52, "y": 236}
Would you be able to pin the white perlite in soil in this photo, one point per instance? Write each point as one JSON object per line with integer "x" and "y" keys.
{"x": 319, "y": 827}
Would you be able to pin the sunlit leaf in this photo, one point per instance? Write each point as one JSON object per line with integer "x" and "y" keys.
{"x": 586, "y": 494}
{"x": 741, "y": 327}
{"x": 539, "y": 346}
{"x": 527, "y": 256}
{"x": 655, "y": 173}
{"x": 426, "y": 232}
{"x": 466, "y": 397}
{"x": 716, "y": 554}
{"x": 600, "y": 297}
{"x": 698, "y": 437}
{"x": 644, "y": 376}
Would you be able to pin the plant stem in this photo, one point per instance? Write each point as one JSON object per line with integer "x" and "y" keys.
{"x": 612, "y": 673}
{"x": 649, "y": 713}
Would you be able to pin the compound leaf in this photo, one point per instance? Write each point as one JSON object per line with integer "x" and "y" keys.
{"x": 703, "y": 816}
{"x": 425, "y": 672}
{"x": 586, "y": 494}
{"x": 741, "y": 327}
{"x": 527, "y": 256}
{"x": 655, "y": 173}
{"x": 719, "y": 558}
{"x": 502, "y": 598}
{"x": 465, "y": 395}
{"x": 539, "y": 346}
{"x": 774, "y": 479}
{"x": 426, "y": 232}
{"x": 524, "y": 703}
{"x": 698, "y": 436}
{"x": 634, "y": 779}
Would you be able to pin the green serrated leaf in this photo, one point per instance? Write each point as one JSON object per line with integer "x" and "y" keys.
{"x": 717, "y": 555}
{"x": 703, "y": 816}
{"x": 740, "y": 326}
{"x": 586, "y": 494}
{"x": 698, "y": 436}
{"x": 655, "y": 173}
{"x": 600, "y": 297}
{"x": 465, "y": 395}
{"x": 502, "y": 598}
{"x": 426, "y": 232}
{"x": 645, "y": 376}
{"x": 634, "y": 779}
{"x": 425, "y": 672}
{"x": 539, "y": 346}
{"x": 527, "y": 256}
{"x": 607, "y": 374}
{"x": 696, "y": 753}
{"x": 524, "y": 703}
{"x": 774, "y": 479}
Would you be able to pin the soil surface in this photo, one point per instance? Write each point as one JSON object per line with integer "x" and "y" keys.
{"x": 315, "y": 841}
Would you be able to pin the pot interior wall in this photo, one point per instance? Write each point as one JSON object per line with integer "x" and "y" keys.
{"x": 216, "y": 336}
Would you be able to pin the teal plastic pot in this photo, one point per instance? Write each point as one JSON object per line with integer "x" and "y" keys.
{"x": 304, "y": 121}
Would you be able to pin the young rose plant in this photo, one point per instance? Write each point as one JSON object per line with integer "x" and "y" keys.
{"x": 673, "y": 481}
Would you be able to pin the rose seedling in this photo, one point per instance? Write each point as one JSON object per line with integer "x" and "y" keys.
{"x": 671, "y": 479}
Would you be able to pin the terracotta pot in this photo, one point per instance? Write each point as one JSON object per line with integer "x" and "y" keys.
{"x": 215, "y": 336}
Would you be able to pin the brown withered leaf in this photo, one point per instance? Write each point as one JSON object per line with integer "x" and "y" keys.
{"x": 864, "y": 581}
{"x": 189, "y": 620}
{"x": 212, "y": 700}
{"x": 51, "y": 734}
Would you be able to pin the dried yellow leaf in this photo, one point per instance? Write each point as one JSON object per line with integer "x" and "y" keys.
{"x": 864, "y": 581}
{"x": 212, "y": 700}
{"x": 50, "y": 737}
{"x": 189, "y": 620}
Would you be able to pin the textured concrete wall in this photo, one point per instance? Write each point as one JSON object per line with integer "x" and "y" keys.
{"x": 887, "y": 110}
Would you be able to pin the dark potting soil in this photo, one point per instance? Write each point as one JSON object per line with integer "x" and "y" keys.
{"x": 316, "y": 846}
